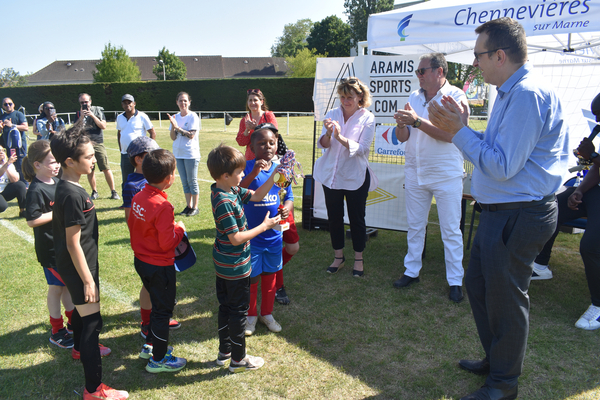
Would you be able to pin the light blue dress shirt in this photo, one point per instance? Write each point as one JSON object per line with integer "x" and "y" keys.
{"x": 523, "y": 154}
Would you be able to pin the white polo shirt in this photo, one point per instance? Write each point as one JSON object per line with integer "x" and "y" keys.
{"x": 429, "y": 160}
{"x": 133, "y": 127}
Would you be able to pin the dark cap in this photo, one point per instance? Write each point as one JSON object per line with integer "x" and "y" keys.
{"x": 141, "y": 144}
{"x": 127, "y": 97}
{"x": 267, "y": 125}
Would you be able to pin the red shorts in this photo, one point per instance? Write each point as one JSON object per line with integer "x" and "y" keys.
{"x": 291, "y": 235}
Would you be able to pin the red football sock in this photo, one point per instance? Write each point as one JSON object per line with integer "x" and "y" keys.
{"x": 253, "y": 294}
{"x": 69, "y": 314}
{"x": 57, "y": 324}
{"x": 279, "y": 279}
{"x": 267, "y": 290}
{"x": 286, "y": 256}
{"x": 145, "y": 315}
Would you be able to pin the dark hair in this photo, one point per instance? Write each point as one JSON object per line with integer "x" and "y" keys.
{"x": 36, "y": 151}
{"x": 69, "y": 143}
{"x": 505, "y": 33}
{"x": 436, "y": 60}
{"x": 181, "y": 94}
{"x": 46, "y": 103}
{"x": 261, "y": 96}
{"x": 352, "y": 84}
{"x": 158, "y": 164}
{"x": 281, "y": 146}
{"x": 132, "y": 159}
{"x": 224, "y": 159}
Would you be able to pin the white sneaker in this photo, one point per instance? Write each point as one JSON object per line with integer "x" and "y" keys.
{"x": 249, "y": 363}
{"x": 540, "y": 274}
{"x": 270, "y": 322}
{"x": 590, "y": 319}
{"x": 250, "y": 325}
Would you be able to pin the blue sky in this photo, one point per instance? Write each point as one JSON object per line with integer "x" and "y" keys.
{"x": 36, "y": 35}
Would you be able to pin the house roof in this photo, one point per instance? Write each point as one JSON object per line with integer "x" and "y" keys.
{"x": 198, "y": 67}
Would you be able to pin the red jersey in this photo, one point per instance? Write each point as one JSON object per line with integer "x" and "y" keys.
{"x": 152, "y": 229}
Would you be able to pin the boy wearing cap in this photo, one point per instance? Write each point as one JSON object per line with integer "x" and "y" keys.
{"x": 131, "y": 124}
{"x": 154, "y": 237}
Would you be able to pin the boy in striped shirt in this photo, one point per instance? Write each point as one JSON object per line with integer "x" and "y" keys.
{"x": 231, "y": 252}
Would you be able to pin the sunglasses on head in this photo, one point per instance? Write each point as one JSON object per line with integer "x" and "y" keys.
{"x": 350, "y": 81}
{"x": 253, "y": 91}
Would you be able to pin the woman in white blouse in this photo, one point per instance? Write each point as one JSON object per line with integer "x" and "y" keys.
{"x": 185, "y": 126}
{"x": 344, "y": 171}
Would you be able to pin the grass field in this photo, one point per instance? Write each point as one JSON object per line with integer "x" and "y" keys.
{"x": 342, "y": 338}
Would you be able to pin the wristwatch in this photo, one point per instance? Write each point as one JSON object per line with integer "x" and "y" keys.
{"x": 593, "y": 155}
{"x": 417, "y": 123}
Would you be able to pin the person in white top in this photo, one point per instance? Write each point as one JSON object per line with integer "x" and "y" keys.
{"x": 184, "y": 129}
{"x": 344, "y": 171}
{"x": 433, "y": 167}
{"x": 131, "y": 124}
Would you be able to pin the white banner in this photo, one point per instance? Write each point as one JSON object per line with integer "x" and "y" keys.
{"x": 385, "y": 206}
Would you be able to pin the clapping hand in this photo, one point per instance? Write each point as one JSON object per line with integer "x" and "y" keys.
{"x": 173, "y": 121}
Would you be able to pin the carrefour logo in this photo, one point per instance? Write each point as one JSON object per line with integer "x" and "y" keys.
{"x": 402, "y": 25}
{"x": 387, "y": 143}
{"x": 390, "y": 135}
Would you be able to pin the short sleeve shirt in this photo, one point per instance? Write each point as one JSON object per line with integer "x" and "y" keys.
{"x": 73, "y": 206}
{"x": 40, "y": 199}
{"x": 135, "y": 183}
{"x": 184, "y": 147}
{"x": 133, "y": 127}
{"x": 231, "y": 262}
{"x": 91, "y": 129}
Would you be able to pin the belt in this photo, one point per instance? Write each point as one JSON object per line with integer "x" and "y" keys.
{"x": 518, "y": 204}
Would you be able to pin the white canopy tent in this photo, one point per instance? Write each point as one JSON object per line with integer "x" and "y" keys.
{"x": 563, "y": 39}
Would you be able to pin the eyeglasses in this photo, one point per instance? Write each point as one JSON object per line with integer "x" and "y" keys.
{"x": 7, "y": 104}
{"x": 421, "y": 71}
{"x": 487, "y": 52}
{"x": 350, "y": 81}
{"x": 253, "y": 91}
{"x": 83, "y": 102}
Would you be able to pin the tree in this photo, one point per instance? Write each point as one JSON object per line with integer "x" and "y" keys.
{"x": 10, "y": 77}
{"x": 303, "y": 64}
{"x": 175, "y": 69}
{"x": 459, "y": 74}
{"x": 331, "y": 36}
{"x": 293, "y": 39}
{"x": 116, "y": 66}
{"x": 358, "y": 12}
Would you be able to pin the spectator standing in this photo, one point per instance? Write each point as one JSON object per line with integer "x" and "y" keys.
{"x": 258, "y": 113}
{"x": 48, "y": 123}
{"x": 9, "y": 120}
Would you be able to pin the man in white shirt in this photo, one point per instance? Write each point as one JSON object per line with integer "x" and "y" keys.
{"x": 433, "y": 167}
{"x": 131, "y": 124}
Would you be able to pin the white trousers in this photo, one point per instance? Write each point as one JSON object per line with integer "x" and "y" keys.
{"x": 448, "y": 196}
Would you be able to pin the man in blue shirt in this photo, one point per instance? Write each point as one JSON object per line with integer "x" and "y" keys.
{"x": 519, "y": 165}
{"x": 10, "y": 119}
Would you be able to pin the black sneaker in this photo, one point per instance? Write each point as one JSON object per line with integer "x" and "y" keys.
{"x": 282, "y": 297}
{"x": 114, "y": 195}
{"x": 62, "y": 339}
{"x": 185, "y": 211}
{"x": 193, "y": 212}
{"x": 94, "y": 195}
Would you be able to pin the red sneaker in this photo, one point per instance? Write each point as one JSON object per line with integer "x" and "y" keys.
{"x": 174, "y": 324}
{"x": 105, "y": 392}
{"x": 104, "y": 351}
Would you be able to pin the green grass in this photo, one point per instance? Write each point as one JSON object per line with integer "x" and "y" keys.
{"x": 342, "y": 338}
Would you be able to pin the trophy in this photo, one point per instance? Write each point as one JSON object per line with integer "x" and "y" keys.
{"x": 287, "y": 171}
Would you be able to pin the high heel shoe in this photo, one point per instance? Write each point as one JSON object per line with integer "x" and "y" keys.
{"x": 356, "y": 273}
{"x": 333, "y": 270}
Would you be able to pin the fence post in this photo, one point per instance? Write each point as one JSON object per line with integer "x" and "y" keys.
{"x": 159, "y": 120}
{"x": 225, "y": 121}
{"x": 288, "y": 123}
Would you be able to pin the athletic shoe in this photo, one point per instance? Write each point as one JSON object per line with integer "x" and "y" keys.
{"x": 193, "y": 212}
{"x": 281, "y": 296}
{"x": 270, "y": 322}
{"x": 94, "y": 195}
{"x": 540, "y": 274}
{"x": 174, "y": 324}
{"x": 62, "y": 339}
{"x": 146, "y": 352}
{"x": 248, "y": 363}
{"x": 144, "y": 330}
{"x": 250, "y": 325}
{"x": 222, "y": 358}
{"x": 69, "y": 328}
{"x": 105, "y": 392}
{"x": 114, "y": 195}
{"x": 590, "y": 319}
{"x": 169, "y": 363}
{"x": 185, "y": 211}
{"x": 104, "y": 351}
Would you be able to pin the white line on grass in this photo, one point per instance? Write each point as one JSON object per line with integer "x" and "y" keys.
{"x": 106, "y": 288}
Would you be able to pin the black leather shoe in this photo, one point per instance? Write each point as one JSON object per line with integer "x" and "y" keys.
{"x": 489, "y": 393}
{"x": 405, "y": 281}
{"x": 456, "y": 294}
{"x": 478, "y": 367}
